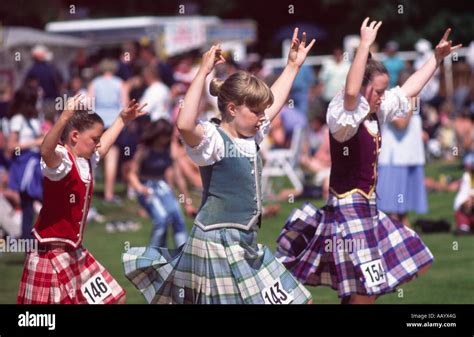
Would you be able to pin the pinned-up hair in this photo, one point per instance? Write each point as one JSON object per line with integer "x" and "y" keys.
{"x": 81, "y": 120}
{"x": 241, "y": 88}
{"x": 373, "y": 68}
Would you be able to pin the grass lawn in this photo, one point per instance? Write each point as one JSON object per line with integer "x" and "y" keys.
{"x": 450, "y": 279}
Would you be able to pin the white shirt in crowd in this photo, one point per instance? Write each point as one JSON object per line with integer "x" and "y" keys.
{"x": 466, "y": 190}
{"x": 26, "y": 131}
{"x": 158, "y": 97}
{"x": 334, "y": 77}
{"x": 403, "y": 147}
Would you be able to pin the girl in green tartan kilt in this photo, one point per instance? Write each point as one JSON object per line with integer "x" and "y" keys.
{"x": 222, "y": 262}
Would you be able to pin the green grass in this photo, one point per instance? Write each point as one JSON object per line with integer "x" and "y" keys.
{"x": 450, "y": 279}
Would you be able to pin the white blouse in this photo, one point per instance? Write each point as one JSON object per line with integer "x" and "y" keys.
{"x": 465, "y": 191}
{"x": 58, "y": 173}
{"x": 211, "y": 149}
{"x": 343, "y": 124}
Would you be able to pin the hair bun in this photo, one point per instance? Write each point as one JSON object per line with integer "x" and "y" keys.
{"x": 215, "y": 86}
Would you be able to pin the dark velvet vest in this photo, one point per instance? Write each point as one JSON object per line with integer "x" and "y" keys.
{"x": 354, "y": 163}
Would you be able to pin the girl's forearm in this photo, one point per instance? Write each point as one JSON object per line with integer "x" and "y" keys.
{"x": 281, "y": 89}
{"x": 53, "y": 137}
{"x": 189, "y": 112}
{"x": 355, "y": 76}
{"x": 110, "y": 136}
{"x": 415, "y": 83}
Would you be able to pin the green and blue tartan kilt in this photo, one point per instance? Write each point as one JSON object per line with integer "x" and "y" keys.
{"x": 222, "y": 266}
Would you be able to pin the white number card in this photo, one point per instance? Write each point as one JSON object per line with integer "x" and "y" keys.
{"x": 373, "y": 273}
{"x": 275, "y": 294}
{"x": 96, "y": 289}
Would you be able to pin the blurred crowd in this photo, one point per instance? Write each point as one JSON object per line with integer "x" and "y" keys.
{"x": 109, "y": 79}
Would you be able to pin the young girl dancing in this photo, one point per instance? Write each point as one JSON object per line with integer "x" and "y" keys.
{"x": 62, "y": 271}
{"x": 221, "y": 261}
{"x": 350, "y": 245}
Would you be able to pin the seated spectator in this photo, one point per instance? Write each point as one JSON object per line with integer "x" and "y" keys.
{"x": 464, "y": 202}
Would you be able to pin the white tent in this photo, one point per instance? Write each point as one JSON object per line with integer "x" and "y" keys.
{"x": 16, "y": 44}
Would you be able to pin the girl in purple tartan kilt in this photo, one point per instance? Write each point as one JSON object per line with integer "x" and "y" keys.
{"x": 349, "y": 245}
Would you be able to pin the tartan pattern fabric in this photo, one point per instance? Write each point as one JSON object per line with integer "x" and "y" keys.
{"x": 222, "y": 266}
{"x": 56, "y": 277}
{"x": 328, "y": 246}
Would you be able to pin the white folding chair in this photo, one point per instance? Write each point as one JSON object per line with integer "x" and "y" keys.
{"x": 284, "y": 162}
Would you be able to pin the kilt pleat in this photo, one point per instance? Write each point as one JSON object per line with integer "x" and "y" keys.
{"x": 222, "y": 266}
{"x": 56, "y": 277}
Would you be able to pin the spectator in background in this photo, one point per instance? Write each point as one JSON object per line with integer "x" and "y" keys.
{"x": 393, "y": 63}
{"x": 319, "y": 163}
{"x": 127, "y": 59}
{"x": 24, "y": 140}
{"x": 464, "y": 202}
{"x": 75, "y": 86}
{"x": 48, "y": 78}
{"x": 401, "y": 172}
{"x": 300, "y": 90}
{"x": 157, "y": 95}
{"x": 153, "y": 167}
{"x": 79, "y": 63}
{"x": 148, "y": 57}
{"x": 430, "y": 91}
{"x": 109, "y": 94}
{"x": 333, "y": 74}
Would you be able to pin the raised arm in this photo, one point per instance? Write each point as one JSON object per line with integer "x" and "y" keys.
{"x": 282, "y": 86}
{"x": 415, "y": 83}
{"x": 355, "y": 77}
{"x": 192, "y": 132}
{"x": 131, "y": 112}
{"x": 52, "y": 138}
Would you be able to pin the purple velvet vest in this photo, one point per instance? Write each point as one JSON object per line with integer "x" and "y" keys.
{"x": 354, "y": 163}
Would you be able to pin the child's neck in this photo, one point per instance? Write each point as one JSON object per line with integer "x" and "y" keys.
{"x": 71, "y": 149}
{"x": 231, "y": 130}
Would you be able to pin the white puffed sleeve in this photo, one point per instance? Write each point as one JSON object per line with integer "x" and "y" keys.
{"x": 211, "y": 149}
{"x": 58, "y": 173}
{"x": 343, "y": 124}
{"x": 394, "y": 105}
{"x": 263, "y": 131}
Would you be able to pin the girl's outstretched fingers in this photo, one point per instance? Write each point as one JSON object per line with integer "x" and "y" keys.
{"x": 445, "y": 47}
{"x": 365, "y": 22}
{"x": 311, "y": 44}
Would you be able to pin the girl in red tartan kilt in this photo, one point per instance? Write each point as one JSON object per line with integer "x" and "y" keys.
{"x": 349, "y": 245}
{"x": 61, "y": 270}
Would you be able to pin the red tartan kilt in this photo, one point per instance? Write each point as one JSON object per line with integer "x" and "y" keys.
{"x": 56, "y": 277}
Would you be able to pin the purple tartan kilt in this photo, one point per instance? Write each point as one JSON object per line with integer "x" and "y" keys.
{"x": 333, "y": 245}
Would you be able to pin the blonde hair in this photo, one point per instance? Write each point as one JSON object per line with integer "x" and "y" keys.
{"x": 241, "y": 88}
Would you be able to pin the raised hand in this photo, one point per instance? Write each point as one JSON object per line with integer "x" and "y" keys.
{"x": 132, "y": 111}
{"x": 211, "y": 58}
{"x": 299, "y": 50}
{"x": 368, "y": 32}
{"x": 444, "y": 47}
{"x": 72, "y": 104}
